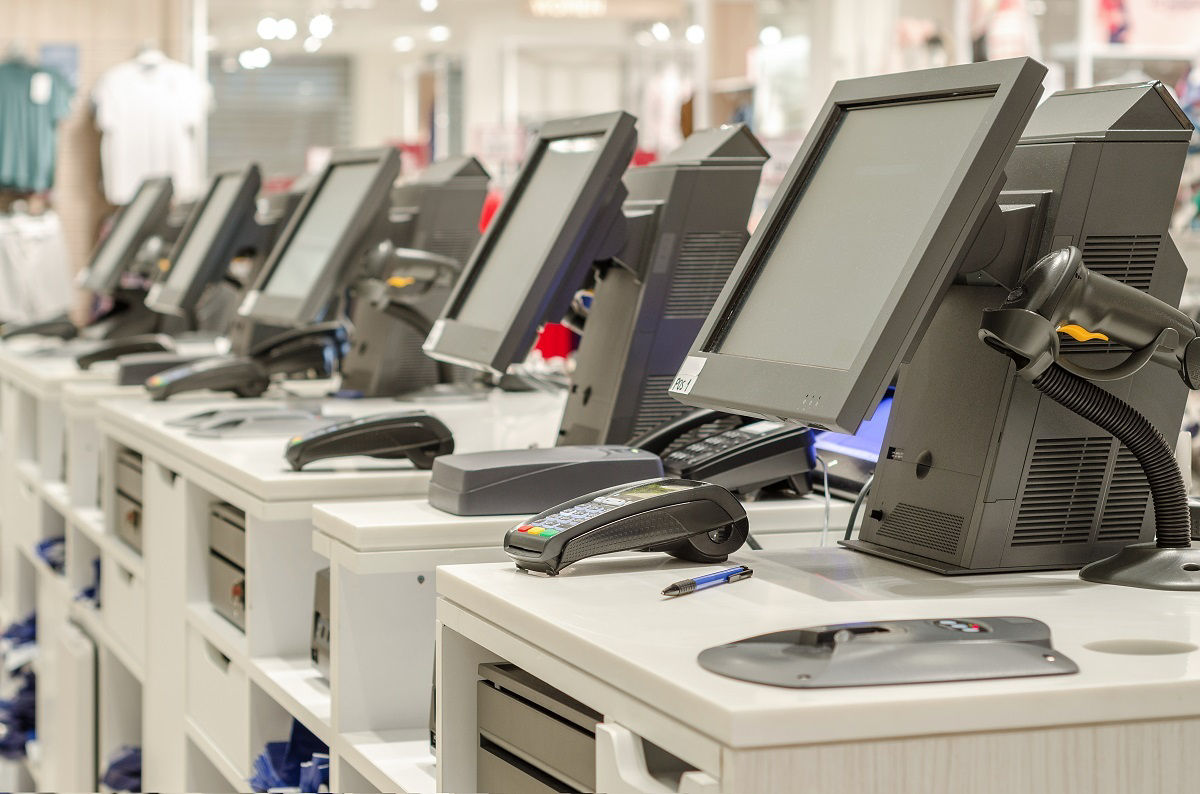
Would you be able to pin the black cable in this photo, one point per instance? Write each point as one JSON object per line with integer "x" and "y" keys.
{"x": 858, "y": 503}
{"x": 753, "y": 544}
{"x": 1171, "y": 517}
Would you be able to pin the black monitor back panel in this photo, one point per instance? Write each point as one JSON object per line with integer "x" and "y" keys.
{"x": 447, "y": 201}
{"x": 687, "y": 215}
{"x": 442, "y": 205}
{"x": 978, "y": 471}
{"x": 221, "y": 224}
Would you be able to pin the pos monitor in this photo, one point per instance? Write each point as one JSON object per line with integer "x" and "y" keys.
{"x": 844, "y": 273}
{"x": 330, "y": 231}
{"x": 562, "y": 214}
{"x": 136, "y": 222}
{"x": 208, "y": 242}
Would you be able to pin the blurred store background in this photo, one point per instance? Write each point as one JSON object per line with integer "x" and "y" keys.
{"x": 128, "y": 87}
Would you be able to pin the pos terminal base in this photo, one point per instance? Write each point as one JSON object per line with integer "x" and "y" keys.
{"x": 523, "y": 481}
{"x": 892, "y": 652}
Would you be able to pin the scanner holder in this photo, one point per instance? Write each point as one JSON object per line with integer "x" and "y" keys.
{"x": 401, "y": 292}
{"x": 317, "y": 348}
{"x": 1061, "y": 295}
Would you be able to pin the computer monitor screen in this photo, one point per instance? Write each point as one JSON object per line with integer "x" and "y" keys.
{"x": 326, "y": 236}
{"x": 136, "y": 222}
{"x": 845, "y": 271}
{"x": 887, "y": 189}
{"x": 203, "y": 252}
{"x": 562, "y": 169}
{"x": 310, "y": 248}
{"x": 538, "y": 248}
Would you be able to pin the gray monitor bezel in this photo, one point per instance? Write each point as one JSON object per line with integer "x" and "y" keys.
{"x": 175, "y": 300}
{"x": 840, "y": 399}
{"x": 482, "y": 348}
{"x": 104, "y": 283}
{"x": 282, "y": 310}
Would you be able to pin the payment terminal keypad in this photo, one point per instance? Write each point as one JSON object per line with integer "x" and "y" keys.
{"x": 551, "y": 525}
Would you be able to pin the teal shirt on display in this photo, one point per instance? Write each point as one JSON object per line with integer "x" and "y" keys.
{"x": 32, "y": 103}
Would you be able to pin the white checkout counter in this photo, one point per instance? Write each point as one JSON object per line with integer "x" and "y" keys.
{"x": 385, "y": 553}
{"x": 602, "y": 634}
{"x": 152, "y": 664}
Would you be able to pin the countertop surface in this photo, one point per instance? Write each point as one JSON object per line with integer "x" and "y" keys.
{"x": 1136, "y": 649}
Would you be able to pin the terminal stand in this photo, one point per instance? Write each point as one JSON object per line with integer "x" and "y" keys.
{"x": 972, "y": 477}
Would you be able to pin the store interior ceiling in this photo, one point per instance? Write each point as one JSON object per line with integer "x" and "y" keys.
{"x": 409, "y": 26}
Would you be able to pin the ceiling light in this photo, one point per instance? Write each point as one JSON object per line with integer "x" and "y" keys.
{"x": 262, "y": 57}
{"x": 321, "y": 26}
{"x": 660, "y": 31}
{"x": 403, "y": 43}
{"x": 770, "y": 36}
{"x": 268, "y": 28}
{"x": 429, "y": 6}
{"x": 286, "y": 29}
{"x": 695, "y": 34}
{"x": 643, "y": 38}
{"x": 312, "y": 44}
{"x": 439, "y": 33}
{"x": 579, "y": 9}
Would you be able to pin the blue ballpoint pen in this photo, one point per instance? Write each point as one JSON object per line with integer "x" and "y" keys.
{"x": 710, "y": 580}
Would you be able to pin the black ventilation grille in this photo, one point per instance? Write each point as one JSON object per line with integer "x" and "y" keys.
{"x": 1125, "y": 506}
{"x": 657, "y": 406}
{"x": 456, "y": 244}
{"x": 1128, "y": 259}
{"x": 704, "y": 264}
{"x": 927, "y": 529}
{"x": 414, "y": 369}
{"x": 1062, "y": 489}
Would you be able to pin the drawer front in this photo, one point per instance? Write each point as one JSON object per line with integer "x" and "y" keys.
{"x": 557, "y": 747}
{"x": 227, "y": 538}
{"x": 123, "y": 605}
{"x": 500, "y": 775}
{"x": 129, "y": 521}
{"x": 227, "y": 590}
{"x": 129, "y": 474}
{"x": 218, "y": 700}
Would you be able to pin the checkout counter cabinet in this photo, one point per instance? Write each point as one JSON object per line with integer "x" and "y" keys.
{"x": 534, "y": 739}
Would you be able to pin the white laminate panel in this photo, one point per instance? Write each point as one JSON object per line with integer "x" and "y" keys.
{"x": 607, "y": 615}
{"x": 257, "y": 465}
{"x": 415, "y": 524}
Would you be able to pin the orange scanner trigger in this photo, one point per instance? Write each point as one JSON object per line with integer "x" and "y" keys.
{"x": 1081, "y": 334}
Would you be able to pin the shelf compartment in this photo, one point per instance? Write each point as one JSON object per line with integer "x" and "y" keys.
{"x": 119, "y": 708}
{"x": 83, "y": 557}
{"x": 400, "y": 761}
{"x": 297, "y": 686}
{"x": 218, "y": 701}
{"x": 123, "y": 605}
{"x": 219, "y": 631}
{"x": 208, "y": 774}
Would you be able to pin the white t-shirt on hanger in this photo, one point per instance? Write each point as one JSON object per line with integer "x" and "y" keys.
{"x": 148, "y": 111}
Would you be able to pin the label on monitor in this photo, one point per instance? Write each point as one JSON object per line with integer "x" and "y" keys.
{"x": 688, "y": 372}
{"x": 435, "y": 334}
